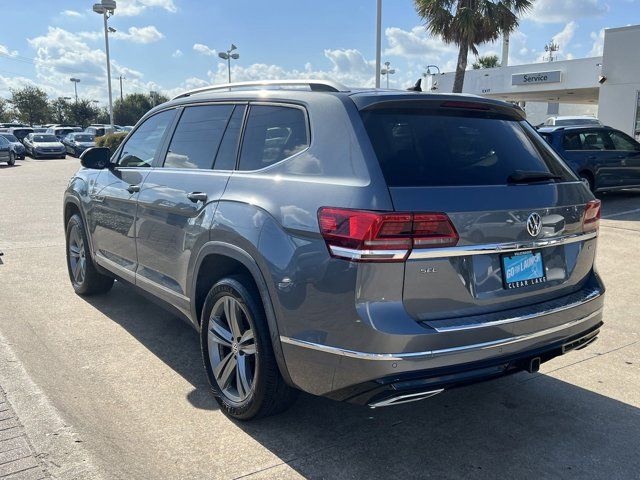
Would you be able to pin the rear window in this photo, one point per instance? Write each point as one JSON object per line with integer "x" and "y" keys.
{"x": 435, "y": 147}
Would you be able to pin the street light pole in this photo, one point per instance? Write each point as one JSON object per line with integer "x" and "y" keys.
{"x": 121, "y": 77}
{"x": 387, "y": 71}
{"x": 75, "y": 86}
{"x": 106, "y": 8}
{"x": 228, "y": 55}
{"x": 378, "y": 41}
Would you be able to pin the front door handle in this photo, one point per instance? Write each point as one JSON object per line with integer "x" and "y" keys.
{"x": 133, "y": 188}
{"x": 197, "y": 197}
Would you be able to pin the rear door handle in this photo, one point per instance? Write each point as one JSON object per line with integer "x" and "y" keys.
{"x": 197, "y": 197}
{"x": 133, "y": 188}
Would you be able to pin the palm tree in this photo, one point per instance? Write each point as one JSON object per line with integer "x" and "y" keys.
{"x": 468, "y": 23}
{"x": 488, "y": 61}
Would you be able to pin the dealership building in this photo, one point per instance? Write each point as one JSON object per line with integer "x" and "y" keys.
{"x": 608, "y": 86}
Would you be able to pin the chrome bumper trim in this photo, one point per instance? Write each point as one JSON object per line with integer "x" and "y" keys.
{"x": 420, "y": 254}
{"x": 353, "y": 254}
{"x": 454, "y": 328}
{"x": 395, "y": 357}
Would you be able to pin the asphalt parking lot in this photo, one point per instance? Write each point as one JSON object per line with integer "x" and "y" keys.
{"x": 113, "y": 387}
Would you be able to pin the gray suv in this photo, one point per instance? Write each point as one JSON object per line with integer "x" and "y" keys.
{"x": 371, "y": 246}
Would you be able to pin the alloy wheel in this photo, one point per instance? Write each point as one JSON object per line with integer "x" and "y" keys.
{"x": 232, "y": 348}
{"x": 77, "y": 256}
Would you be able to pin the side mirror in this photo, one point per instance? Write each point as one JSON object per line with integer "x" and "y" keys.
{"x": 97, "y": 158}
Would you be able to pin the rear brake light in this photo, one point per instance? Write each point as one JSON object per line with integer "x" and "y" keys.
{"x": 467, "y": 105}
{"x": 591, "y": 218}
{"x": 371, "y": 236}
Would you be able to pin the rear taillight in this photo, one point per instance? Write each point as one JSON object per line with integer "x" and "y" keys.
{"x": 591, "y": 218}
{"x": 384, "y": 237}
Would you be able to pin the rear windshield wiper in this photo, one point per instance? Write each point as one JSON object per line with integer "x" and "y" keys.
{"x": 522, "y": 176}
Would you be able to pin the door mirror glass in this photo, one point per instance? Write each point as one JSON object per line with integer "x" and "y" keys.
{"x": 97, "y": 158}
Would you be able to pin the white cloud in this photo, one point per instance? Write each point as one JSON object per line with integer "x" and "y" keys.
{"x": 60, "y": 54}
{"x": 564, "y": 37}
{"x": 555, "y": 11}
{"x": 416, "y": 43}
{"x": 8, "y": 53}
{"x": 598, "y": 43}
{"x": 203, "y": 49}
{"x": 147, "y": 34}
{"x": 177, "y": 54}
{"x": 71, "y": 13}
{"x": 129, "y": 8}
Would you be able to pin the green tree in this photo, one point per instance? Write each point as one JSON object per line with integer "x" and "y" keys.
{"x": 133, "y": 106}
{"x": 102, "y": 116}
{"x": 488, "y": 61}
{"x": 59, "y": 109}
{"x": 82, "y": 112}
{"x": 469, "y": 23}
{"x": 31, "y": 104}
{"x": 6, "y": 112}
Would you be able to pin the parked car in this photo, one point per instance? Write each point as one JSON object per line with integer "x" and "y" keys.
{"x": 62, "y": 131}
{"x": 99, "y": 130}
{"x": 603, "y": 157}
{"x": 78, "y": 142}
{"x": 44, "y": 145}
{"x": 16, "y": 145}
{"x": 6, "y": 152}
{"x": 324, "y": 239}
{"x": 40, "y": 130}
{"x": 20, "y": 132}
{"x": 567, "y": 120}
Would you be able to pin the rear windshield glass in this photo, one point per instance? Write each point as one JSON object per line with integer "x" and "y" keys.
{"x": 84, "y": 137}
{"x": 436, "y": 147}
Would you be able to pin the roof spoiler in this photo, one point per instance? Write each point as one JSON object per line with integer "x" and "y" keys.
{"x": 417, "y": 87}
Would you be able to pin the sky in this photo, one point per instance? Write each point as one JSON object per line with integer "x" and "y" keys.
{"x": 172, "y": 45}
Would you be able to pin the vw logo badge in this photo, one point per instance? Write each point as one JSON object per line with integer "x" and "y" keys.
{"x": 534, "y": 224}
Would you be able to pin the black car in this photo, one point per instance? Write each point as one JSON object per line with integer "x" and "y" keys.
{"x": 16, "y": 145}
{"x": 603, "y": 157}
{"x": 78, "y": 142}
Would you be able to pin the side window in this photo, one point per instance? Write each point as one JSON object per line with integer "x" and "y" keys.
{"x": 623, "y": 142}
{"x": 141, "y": 147}
{"x": 228, "y": 151}
{"x": 571, "y": 141}
{"x": 272, "y": 134}
{"x": 595, "y": 141}
{"x": 197, "y": 136}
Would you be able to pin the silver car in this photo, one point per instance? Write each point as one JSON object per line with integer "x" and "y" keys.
{"x": 43, "y": 145}
{"x": 370, "y": 246}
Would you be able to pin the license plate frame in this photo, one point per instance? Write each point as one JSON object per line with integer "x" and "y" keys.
{"x": 522, "y": 269}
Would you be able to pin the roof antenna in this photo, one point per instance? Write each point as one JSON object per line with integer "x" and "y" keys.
{"x": 417, "y": 87}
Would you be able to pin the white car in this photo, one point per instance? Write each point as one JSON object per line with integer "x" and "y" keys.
{"x": 567, "y": 120}
{"x": 44, "y": 145}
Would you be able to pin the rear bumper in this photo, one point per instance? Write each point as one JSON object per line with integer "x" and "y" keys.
{"x": 443, "y": 359}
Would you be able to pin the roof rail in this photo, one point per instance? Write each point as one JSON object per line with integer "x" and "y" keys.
{"x": 314, "y": 85}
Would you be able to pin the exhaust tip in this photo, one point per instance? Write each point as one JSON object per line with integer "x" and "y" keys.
{"x": 406, "y": 398}
{"x": 534, "y": 365}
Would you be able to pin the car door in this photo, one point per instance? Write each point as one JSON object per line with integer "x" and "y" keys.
{"x": 5, "y": 147}
{"x": 114, "y": 196}
{"x": 628, "y": 150}
{"x": 179, "y": 198}
{"x": 592, "y": 150}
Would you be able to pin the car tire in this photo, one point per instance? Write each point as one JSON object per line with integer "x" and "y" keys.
{"x": 587, "y": 180}
{"x": 12, "y": 159}
{"x": 237, "y": 352}
{"x": 85, "y": 278}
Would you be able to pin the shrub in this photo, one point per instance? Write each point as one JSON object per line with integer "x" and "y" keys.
{"x": 111, "y": 140}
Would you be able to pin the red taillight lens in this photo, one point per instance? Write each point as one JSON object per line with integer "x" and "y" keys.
{"x": 591, "y": 218}
{"x": 370, "y": 236}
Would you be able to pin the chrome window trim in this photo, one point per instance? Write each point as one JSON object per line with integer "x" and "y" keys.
{"x": 429, "y": 354}
{"x": 489, "y": 248}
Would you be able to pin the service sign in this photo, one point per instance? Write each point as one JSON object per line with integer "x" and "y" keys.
{"x": 536, "y": 77}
